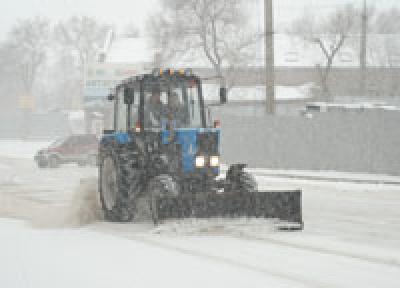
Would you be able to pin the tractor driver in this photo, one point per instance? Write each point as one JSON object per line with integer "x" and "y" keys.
{"x": 175, "y": 109}
{"x": 156, "y": 109}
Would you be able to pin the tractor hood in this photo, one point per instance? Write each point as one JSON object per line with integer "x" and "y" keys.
{"x": 194, "y": 142}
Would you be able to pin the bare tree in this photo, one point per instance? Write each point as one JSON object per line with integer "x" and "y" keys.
{"x": 384, "y": 51}
{"x": 25, "y": 51}
{"x": 214, "y": 29}
{"x": 329, "y": 34}
{"x": 26, "y": 47}
{"x": 9, "y": 87}
{"x": 385, "y": 23}
{"x": 82, "y": 37}
{"x": 62, "y": 83}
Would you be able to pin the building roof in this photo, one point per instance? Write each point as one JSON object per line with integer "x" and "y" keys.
{"x": 129, "y": 50}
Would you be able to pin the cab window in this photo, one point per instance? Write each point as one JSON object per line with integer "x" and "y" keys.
{"x": 120, "y": 112}
{"x": 177, "y": 102}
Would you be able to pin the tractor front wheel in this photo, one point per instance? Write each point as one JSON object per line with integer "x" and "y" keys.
{"x": 158, "y": 187}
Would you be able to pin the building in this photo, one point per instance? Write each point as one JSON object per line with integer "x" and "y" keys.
{"x": 296, "y": 69}
{"x": 120, "y": 58}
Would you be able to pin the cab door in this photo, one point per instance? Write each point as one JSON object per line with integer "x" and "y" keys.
{"x": 120, "y": 118}
{"x": 120, "y": 110}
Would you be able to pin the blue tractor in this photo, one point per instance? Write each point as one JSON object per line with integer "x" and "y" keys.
{"x": 162, "y": 152}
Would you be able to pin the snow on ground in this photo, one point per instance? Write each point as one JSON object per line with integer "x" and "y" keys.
{"x": 257, "y": 93}
{"x": 83, "y": 258}
{"x": 52, "y": 234}
{"x": 48, "y": 197}
{"x": 6, "y": 176}
{"x": 328, "y": 175}
{"x": 21, "y": 149}
{"x": 283, "y": 93}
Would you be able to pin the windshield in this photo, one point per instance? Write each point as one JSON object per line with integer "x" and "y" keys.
{"x": 176, "y": 102}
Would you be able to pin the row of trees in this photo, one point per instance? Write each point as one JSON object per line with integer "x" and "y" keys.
{"x": 47, "y": 59}
{"x": 220, "y": 34}
{"x": 342, "y": 28}
{"x": 40, "y": 58}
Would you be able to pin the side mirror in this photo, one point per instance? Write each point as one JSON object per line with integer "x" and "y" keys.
{"x": 111, "y": 97}
{"x": 129, "y": 95}
{"x": 222, "y": 95}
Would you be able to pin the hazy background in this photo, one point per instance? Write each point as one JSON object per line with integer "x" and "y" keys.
{"x": 122, "y": 12}
{"x": 60, "y": 59}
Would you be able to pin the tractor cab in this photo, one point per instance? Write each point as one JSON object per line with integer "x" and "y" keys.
{"x": 163, "y": 99}
{"x": 168, "y": 106}
{"x": 173, "y": 101}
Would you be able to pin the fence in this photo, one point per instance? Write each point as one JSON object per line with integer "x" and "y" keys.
{"x": 365, "y": 142}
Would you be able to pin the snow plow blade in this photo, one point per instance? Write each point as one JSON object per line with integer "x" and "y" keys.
{"x": 285, "y": 206}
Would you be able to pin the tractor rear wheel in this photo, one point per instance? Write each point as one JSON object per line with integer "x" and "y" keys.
{"x": 114, "y": 189}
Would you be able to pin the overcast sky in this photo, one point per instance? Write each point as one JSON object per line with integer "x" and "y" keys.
{"x": 121, "y": 12}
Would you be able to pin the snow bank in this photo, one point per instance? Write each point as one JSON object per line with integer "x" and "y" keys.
{"x": 82, "y": 210}
{"x": 216, "y": 226}
{"x": 328, "y": 176}
{"x": 257, "y": 93}
{"x": 85, "y": 204}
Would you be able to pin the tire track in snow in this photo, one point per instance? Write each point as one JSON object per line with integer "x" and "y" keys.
{"x": 152, "y": 241}
{"x": 374, "y": 260}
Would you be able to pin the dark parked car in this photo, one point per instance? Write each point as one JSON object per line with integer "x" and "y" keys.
{"x": 80, "y": 149}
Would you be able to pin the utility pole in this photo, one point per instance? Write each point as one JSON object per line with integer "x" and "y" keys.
{"x": 269, "y": 57}
{"x": 363, "y": 49}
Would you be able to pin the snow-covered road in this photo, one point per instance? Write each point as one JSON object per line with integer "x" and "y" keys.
{"x": 52, "y": 235}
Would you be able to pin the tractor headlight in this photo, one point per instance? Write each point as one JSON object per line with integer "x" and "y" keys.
{"x": 200, "y": 161}
{"x": 214, "y": 161}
